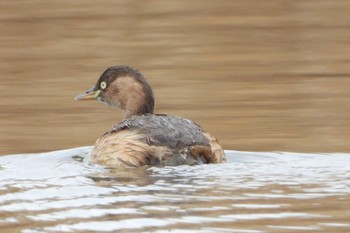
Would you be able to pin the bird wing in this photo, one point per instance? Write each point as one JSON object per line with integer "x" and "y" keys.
{"x": 172, "y": 131}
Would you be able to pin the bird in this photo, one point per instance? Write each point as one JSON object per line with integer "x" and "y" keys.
{"x": 144, "y": 138}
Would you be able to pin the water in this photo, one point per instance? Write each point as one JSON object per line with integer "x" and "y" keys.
{"x": 254, "y": 192}
{"x": 258, "y": 75}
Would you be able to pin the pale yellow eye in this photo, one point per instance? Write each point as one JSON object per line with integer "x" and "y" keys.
{"x": 103, "y": 85}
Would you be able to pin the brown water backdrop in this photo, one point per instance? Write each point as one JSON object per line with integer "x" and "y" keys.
{"x": 259, "y": 75}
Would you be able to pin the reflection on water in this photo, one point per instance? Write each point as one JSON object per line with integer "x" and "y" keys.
{"x": 254, "y": 192}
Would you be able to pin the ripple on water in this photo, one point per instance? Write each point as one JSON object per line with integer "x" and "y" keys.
{"x": 254, "y": 192}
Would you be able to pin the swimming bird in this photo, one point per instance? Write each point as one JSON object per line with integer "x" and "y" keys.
{"x": 142, "y": 137}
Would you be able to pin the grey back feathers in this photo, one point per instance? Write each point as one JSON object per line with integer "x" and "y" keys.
{"x": 163, "y": 130}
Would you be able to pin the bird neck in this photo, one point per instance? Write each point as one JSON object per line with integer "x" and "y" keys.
{"x": 138, "y": 106}
{"x": 135, "y": 97}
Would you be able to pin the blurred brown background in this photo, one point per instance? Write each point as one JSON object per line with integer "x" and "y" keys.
{"x": 259, "y": 75}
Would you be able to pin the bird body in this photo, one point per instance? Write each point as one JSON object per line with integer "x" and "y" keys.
{"x": 144, "y": 138}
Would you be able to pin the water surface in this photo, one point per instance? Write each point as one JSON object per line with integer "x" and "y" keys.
{"x": 254, "y": 192}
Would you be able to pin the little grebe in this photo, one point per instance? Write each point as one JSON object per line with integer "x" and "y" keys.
{"x": 144, "y": 138}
